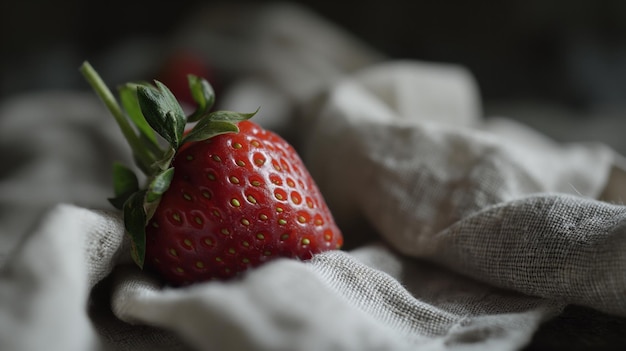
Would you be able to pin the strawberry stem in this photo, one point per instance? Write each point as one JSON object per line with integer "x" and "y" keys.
{"x": 145, "y": 110}
{"x": 93, "y": 78}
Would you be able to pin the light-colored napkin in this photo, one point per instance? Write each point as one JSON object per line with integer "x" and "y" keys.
{"x": 461, "y": 233}
{"x": 55, "y": 147}
{"x": 492, "y": 200}
{"x": 488, "y": 236}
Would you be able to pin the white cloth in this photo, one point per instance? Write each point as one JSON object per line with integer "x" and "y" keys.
{"x": 498, "y": 203}
{"x": 461, "y": 233}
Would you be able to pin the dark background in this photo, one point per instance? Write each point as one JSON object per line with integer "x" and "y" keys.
{"x": 565, "y": 52}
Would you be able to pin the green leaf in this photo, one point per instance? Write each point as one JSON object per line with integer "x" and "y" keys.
{"x": 159, "y": 185}
{"x": 203, "y": 94}
{"x": 162, "y": 112}
{"x": 164, "y": 163}
{"x": 125, "y": 183}
{"x": 151, "y": 148}
{"x": 124, "y": 180}
{"x": 207, "y": 129}
{"x": 130, "y": 102}
{"x": 118, "y": 201}
{"x": 215, "y": 123}
{"x": 135, "y": 223}
{"x": 230, "y": 116}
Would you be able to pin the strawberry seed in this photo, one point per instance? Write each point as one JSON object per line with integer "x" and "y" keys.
{"x": 251, "y": 199}
{"x": 296, "y": 198}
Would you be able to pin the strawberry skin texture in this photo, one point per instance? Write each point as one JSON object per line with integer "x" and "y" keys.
{"x": 237, "y": 200}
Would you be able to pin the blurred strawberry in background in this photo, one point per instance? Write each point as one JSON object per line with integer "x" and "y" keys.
{"x": 177, "y": 66}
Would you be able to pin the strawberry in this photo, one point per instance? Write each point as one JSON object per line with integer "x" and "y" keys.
{"x": 220, "y": 198}
{"x": 178, "y": 66}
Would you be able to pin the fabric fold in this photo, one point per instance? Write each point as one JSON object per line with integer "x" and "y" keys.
{"x": 45, "y": 287}
{"x": 556, "y": 246}
{"x": 462, "y": 233}
{"x": 491, "y": 199}
{"x": 338, "y": 300}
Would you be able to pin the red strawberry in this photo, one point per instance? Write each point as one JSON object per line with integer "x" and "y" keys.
{"x": 236, "y": 201}
{"x": 222, "y": 197}
{"x": 177, "y": 66}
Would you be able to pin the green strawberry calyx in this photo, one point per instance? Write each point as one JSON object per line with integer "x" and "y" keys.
{"x": 155, "y": 127}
